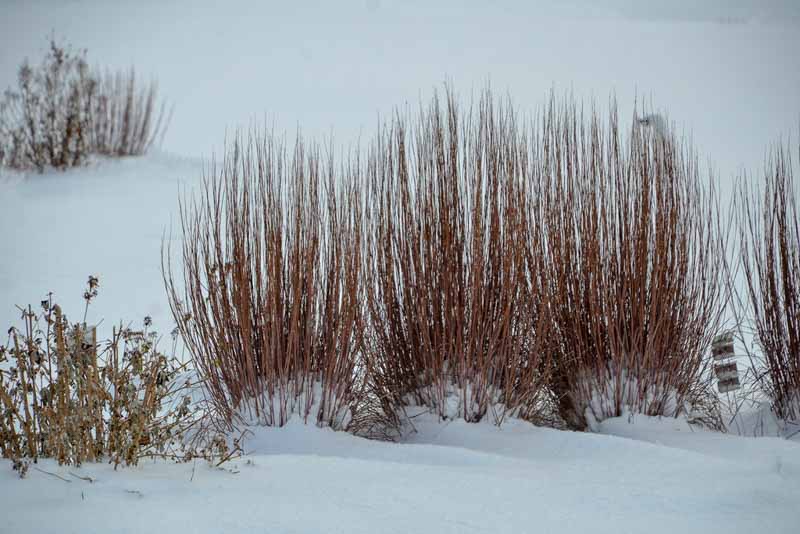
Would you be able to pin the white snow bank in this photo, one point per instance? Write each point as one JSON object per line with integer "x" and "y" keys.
{"x": 765, "y": 453}
{"x": 456, "y": 477}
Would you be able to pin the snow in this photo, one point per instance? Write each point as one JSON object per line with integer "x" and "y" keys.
{"x": 106, "y": 220}
{"x": 653, "y": 476}
{"x": 725, "y": 71}
{"x": 333, "y": 71}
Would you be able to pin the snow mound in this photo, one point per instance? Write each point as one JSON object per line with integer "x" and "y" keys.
{"x": 647, "y": 475}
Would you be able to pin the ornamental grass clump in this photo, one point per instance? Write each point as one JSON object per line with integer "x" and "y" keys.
{"x": 769, "y": 234}
{"x": 269, "y": 298}
{"x": 634, "y": 261}
{"x": 126, "y": 116}
{"x": 457, "y": 319}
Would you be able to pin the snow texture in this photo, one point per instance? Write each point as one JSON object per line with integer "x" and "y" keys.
{"x": 647, "y": 475}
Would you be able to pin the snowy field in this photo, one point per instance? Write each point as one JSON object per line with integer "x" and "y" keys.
{"x": 661, "y": 477}
{"x": 726, "y": 72}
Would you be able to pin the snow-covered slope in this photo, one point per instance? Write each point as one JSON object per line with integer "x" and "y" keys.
{"x": 456, "y": 477}
{"x": 106, "y": 220}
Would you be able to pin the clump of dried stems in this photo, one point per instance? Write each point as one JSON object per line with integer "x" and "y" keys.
{"x": 270, "y": 304}
{"x": 62, "y": 112}
{"x": 126, "y": 119}
{"x": 453, "y": 268}
{"x": 769, "y": 233}
{"x": 634, "y": 257}
{"x": 46, "y": 122}
{"x": 495, "y": 272}
{"x": 65, "y": 396}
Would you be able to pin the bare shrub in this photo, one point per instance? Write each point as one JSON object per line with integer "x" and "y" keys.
{"x": 66, "y": 396}
{"x": 769, "y": 233}
{"x": 453, "y": 268}
{"x": 47, "y": 121}
{"x": 62, "y": 112}
{"x": 635, "y": 259}
{"x": 270, "y": 301}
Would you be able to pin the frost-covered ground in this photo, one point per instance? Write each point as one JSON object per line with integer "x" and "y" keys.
{"x": 728, "y": 72}
{"x": 651, "y": 476}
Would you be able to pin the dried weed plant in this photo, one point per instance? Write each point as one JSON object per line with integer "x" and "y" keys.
{"x": 65, "y": 396}
{"x": 62, "y": 111}
{"x": 46, "y": 122}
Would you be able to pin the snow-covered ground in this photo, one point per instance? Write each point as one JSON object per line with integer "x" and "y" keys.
{"x": 728, "y": 72}
{"x": 106, "y": 220}
{"x": 652, "y": 476}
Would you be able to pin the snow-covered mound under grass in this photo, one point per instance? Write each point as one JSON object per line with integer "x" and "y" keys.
{"x": 640, "y": 475}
